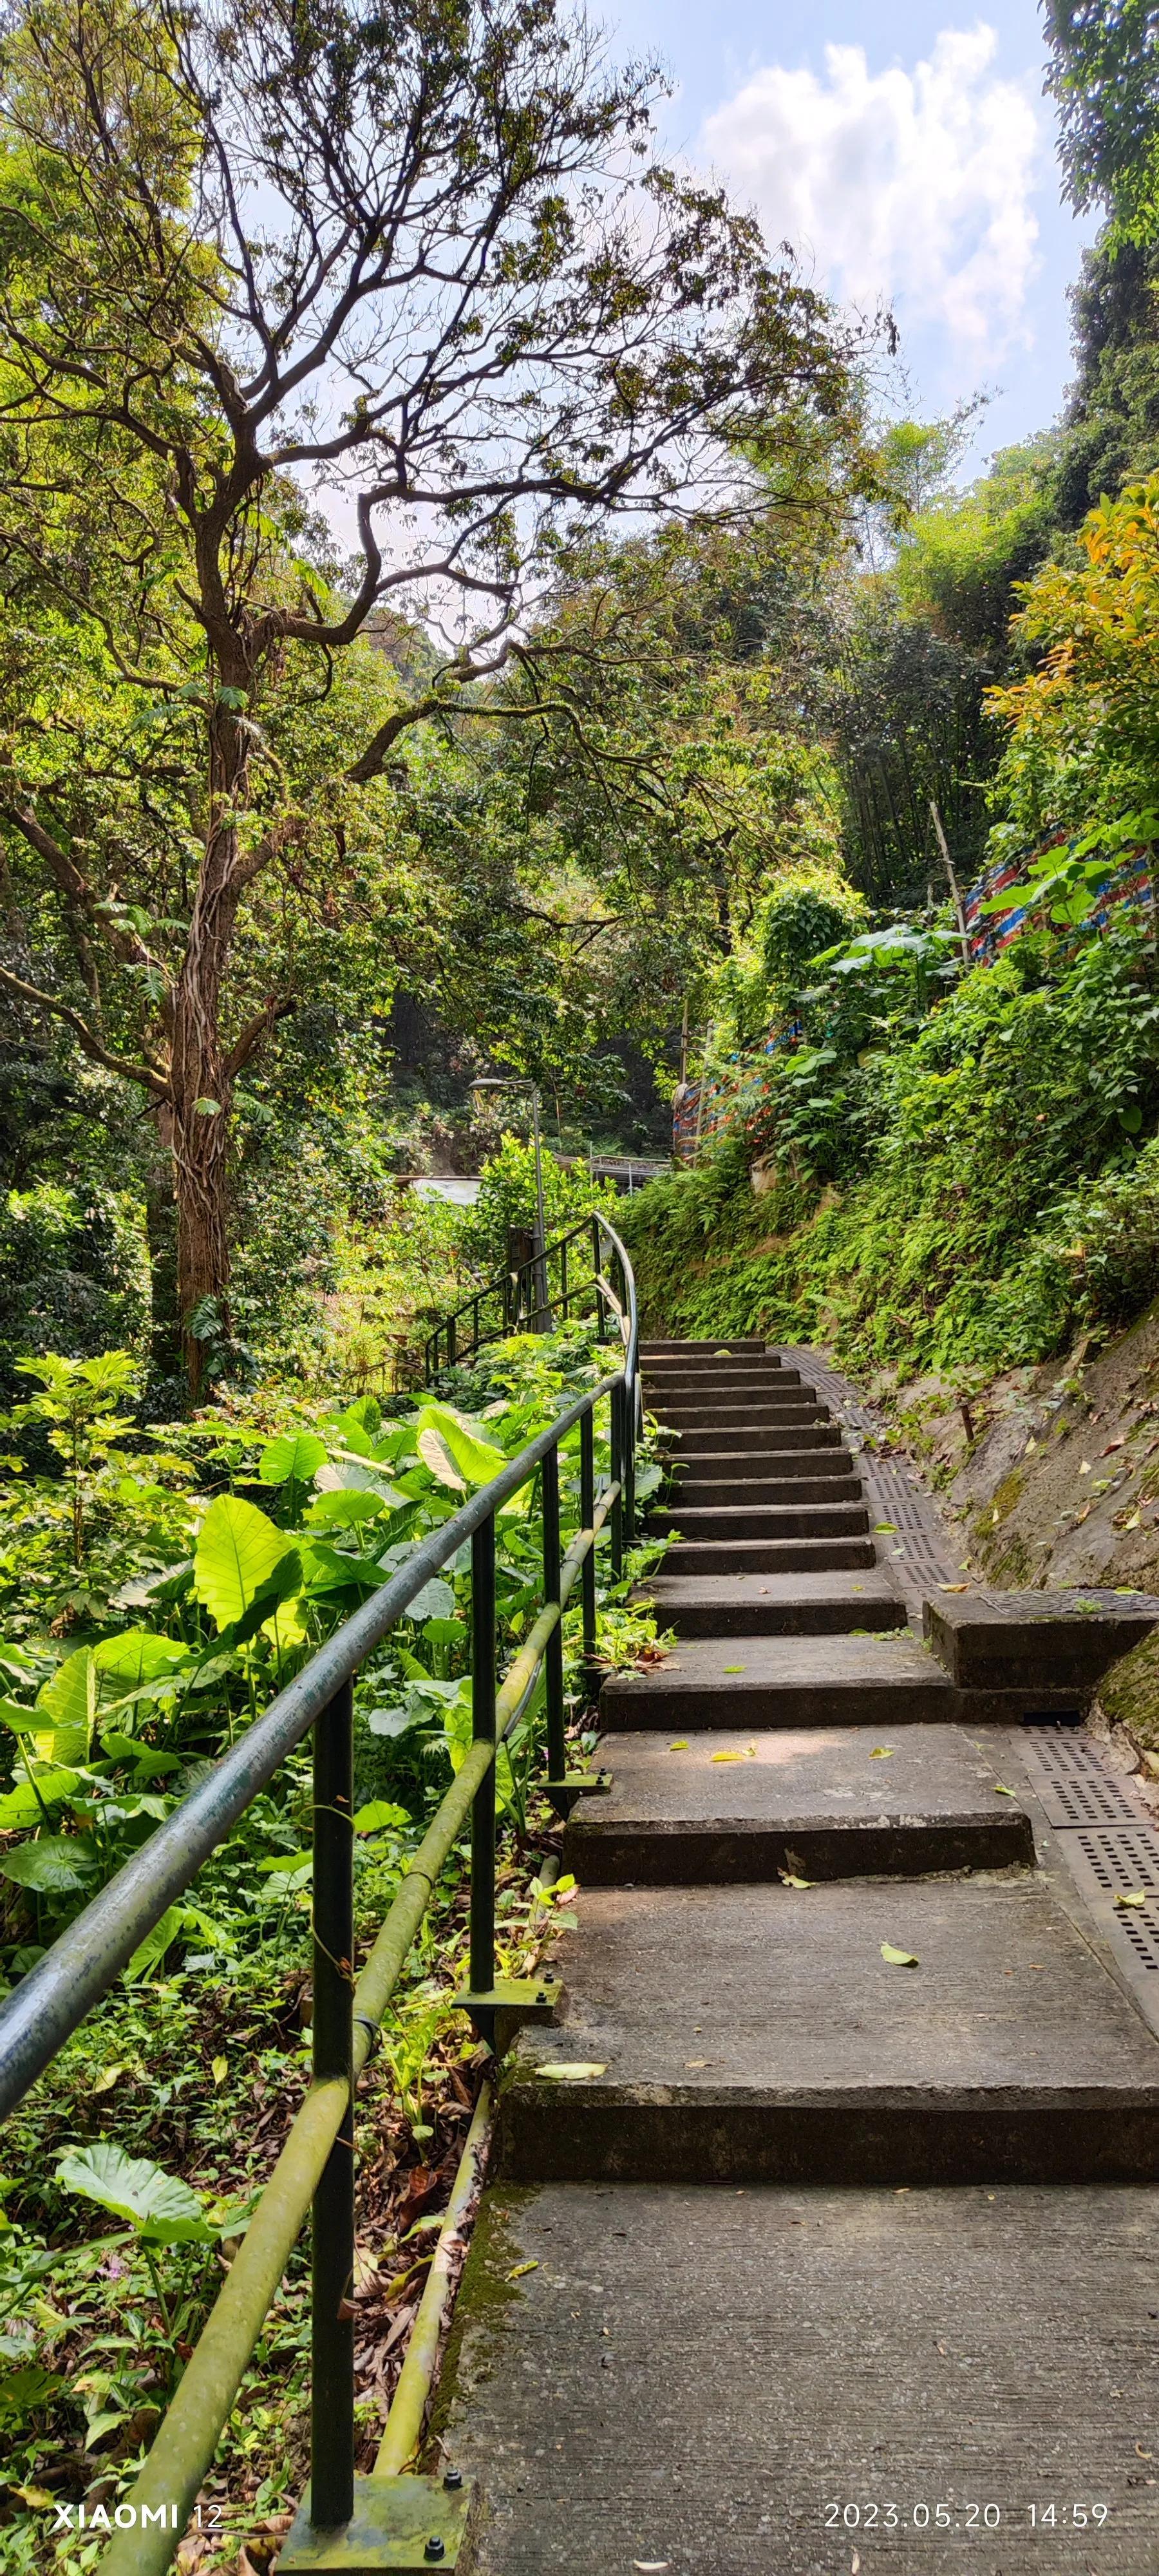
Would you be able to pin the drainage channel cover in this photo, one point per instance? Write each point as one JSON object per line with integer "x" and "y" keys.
{"x": 1113, "y": 1862}
{"x": 1075, "y": 1787}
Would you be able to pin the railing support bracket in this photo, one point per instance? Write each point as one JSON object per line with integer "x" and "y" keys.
{"x": 498, "y": 2011}
{"x": 577, "y": 1784}
{"x": 398, "y": 2523}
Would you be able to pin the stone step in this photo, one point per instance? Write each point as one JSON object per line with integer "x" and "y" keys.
{"x": 717, "y": 1494}
{"x": 755, "y": 2034}
{"x": 771, "y": 1605}
{"x": 792, "y": 2382}
{"x": 765, "y": 1520}
{"x": 783, "y": 1681}
{"x": 726, "y": 1466}
{"x": 821, "y": 1804}
{"x": 1067, "y": 1640}
{"x": 759, "y": 1437}
{"x": 766, "y": 1555}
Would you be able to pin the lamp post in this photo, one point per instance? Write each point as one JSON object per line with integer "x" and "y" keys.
{"x": 521, "y": 1082}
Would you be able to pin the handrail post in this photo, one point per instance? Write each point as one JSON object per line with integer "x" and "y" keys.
{"x": 483, "y": 1724}
{"x": 601, "y": 1318}
{"x": 616, "y": 1515}
{"x": 588, "y": 1568}
{"x": 563, "y": 1279}
{"x": 332, "y": 2381}
{"x": 452, "y": 1341}
{"x": 553, "y": 1651}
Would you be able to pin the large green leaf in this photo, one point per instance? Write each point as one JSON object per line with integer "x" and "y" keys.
{"x": 25, "y": 1805}
{"x": 155, "y": 1943}
{"x": 68, "y": 1703}
{"x": 236, "y": 1553}
{"x": 477, "y": 1460}
{"x": 137, "y": 1656}
{"x": 294, "y": 1454}
{"x": 157, "y": 2204}
{"x": 54, "y": 1866}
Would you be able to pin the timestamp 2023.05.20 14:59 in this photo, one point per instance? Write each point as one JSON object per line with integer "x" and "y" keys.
{"x": 1057, "y": 2514}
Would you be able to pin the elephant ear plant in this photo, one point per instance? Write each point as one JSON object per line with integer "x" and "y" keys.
{"x": 160, "y": 2211}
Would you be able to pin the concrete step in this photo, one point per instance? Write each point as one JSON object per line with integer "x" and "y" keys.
{"x": 821, "y": 1804}
{"x": 666, "y": 1350}
{"x": 764, "y": 1413}
{"x": 765, "y": 1520}
{"x": 786, "y": 2382}
{"x": 767, "y": 1555}
{"x": 747, "y": 1377}
{"x": 759, "y": 1437}
{"x": 742, "y": 1466}
{"x": 716, "y": 1494}
{"x": 771, "y": 1605}
{"x": 990, "y": 1640}
{"x": 784, "y": 1681}
{"x": 755, "y": 2034}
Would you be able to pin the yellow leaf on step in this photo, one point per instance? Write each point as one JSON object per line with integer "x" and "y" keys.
{"x": 1134, "y": 1896}
{"x": 788, "y": 1880}
{"x": 577, "y": 2074}
{"x": 732, "y": 1668}
{"x": 883, "y": 1753}
{"x": 953, "y": 1587}
{"x": 728, "y": 1757}
{"x": 1001, "y": 1790}
{"x": 518, "y": 2269}
{"x": 680, "y": 1746}
{"x": 898, "y": 1958}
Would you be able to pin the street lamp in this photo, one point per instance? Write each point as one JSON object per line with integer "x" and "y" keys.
{"x": 521, "y": 1082}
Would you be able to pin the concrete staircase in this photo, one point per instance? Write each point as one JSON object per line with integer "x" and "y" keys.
{"x": 824, "y": 2229}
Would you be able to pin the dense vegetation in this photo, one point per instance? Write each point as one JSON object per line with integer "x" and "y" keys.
{"x": 471, "y": 619}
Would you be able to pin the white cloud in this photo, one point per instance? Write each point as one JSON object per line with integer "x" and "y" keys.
{"x": 912, "y": 186}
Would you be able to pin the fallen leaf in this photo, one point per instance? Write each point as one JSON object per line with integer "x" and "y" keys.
{"x": 732, "y": 1668}
{"x": 1112, "y": 1445}
{"x": 787, "y": 1879}
{"x": 1031, "y": 1444}
{"x": 885, "y": 1529}
{"x": 651, "y": 2566}
{"x": 219, "y": 2069}
{"x": 899, "y": 1958}
{"x": 728, "y": 1757}
{"x": 855, "y": 2563}
{"x": 953, "y": 1587}
{"x": 680, "y": 1746}
{"x": 1001, "y": 1790}
{"x": 692, "y": 2064}
{"x": 518, "y": 2269}
{"x": 577, "y": 2074}
{"x": 883, "y": 1753}
{"x": 105, "y": 2081}
{"x": 1134, "y": 1896}
{"x": 1141, "y": 2454}
{"x": 1085, "y": 1467}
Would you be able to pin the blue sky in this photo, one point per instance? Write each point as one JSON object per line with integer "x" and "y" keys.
{"x": 908, "y": 152}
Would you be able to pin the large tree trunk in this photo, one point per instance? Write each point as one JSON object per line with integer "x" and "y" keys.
{"x": 201, "y": 1082}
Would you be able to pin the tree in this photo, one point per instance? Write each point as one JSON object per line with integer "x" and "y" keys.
{"x": 417, "y": 265}
{"x": 1104, "y": 74}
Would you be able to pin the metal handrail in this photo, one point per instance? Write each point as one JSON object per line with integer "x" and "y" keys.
{"x": 316, "y": 2165}
{"x": 524, "y": 1292}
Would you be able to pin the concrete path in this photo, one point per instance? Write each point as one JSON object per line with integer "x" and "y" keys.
{"x": 822, "y": 2234}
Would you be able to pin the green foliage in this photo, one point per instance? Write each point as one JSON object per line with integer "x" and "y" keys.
{"x": 507, "y": 1198}
{"x": 996, "y": 1177}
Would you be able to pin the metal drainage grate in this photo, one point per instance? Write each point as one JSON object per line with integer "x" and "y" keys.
{"x": 1074, "y": 1786}
{"x": 1113, "y": 1861}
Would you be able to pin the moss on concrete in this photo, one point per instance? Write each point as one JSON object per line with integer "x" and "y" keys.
{"x": 1129, "y": 1694}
